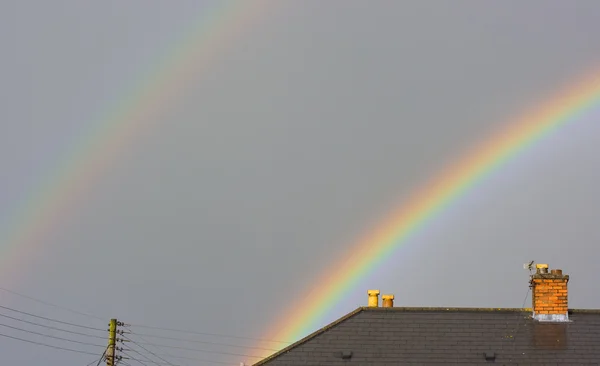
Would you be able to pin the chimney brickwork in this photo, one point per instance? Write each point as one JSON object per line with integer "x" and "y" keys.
{"x": 549, "y": 294}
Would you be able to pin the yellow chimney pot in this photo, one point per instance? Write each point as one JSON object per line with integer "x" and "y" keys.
{"x": 373, "y": 298}
{"x": 388, "y": 301}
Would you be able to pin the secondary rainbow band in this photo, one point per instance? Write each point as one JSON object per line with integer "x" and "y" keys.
{"x": 308, "y": 314}
{"x": 110, "y": 136}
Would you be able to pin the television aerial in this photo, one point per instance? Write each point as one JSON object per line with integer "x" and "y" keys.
{"x": 529, "y": 266}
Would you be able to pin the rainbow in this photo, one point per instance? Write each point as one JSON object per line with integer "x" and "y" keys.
{"x": 425, "y": 205}
{"x": 135, "y": 113}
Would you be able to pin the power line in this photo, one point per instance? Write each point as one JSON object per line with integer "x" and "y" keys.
{"x": 93, "y": 362}
{"x": 50, "y": 327}
{"x": 166, "y": 353}
{"x": 48, "y": 345}
{"x": 103, "y": 355}
{"x": 198, "y": 359}
{"x": 188, "y": 358}
{"x": 162, "y": 363}
{"x": 134, "y": 359}
{"x": 139, "y": 361}
{"x": 50, "y": 319}
{"x": 50, "y": 336}
{"x": 196, "y": 350}
{"x": 202, "y": 342}
{"x": 100, "y": 360}
{"x": 140, "y": 326}
{"x": 145, "y": 349}
{"x": 49, "y": 303}
{"x": 94, "y": 336}
{"x": 208, "y": 334}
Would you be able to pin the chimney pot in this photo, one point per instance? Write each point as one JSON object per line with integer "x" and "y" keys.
{"x": 556, "y": 271}
{"x": 541, "y": 268}
{"x": 373, "y": 298}
{"x": 388, "y": 301}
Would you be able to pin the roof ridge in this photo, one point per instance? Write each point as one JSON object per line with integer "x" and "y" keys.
{"x": 468, "y": 309}
{"x": 445, "y": 308}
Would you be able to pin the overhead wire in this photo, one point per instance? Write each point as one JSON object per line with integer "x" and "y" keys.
{"x": 50, "y": 304}
{"x": 50, "y": 336}
{"x": 147, "y": 359}
{"x": 103, "y": 354}
{"x": 201, "y": 360}
{"x": 101, "y": 358}
{"x": 60, "y": 329}
{"x": 140, "y": 344}
{"x": 51, "y": 319}
{"x": 47, "y": 327}
{"x": 159, "y": 347}
{"x": 93, "y": 362}
{"x": 130, "y": 357}
{"x": 145, "y": 349}
{"x": 208, "y": 334}
{"x": 48, "y": 345}
{"x": 98, "y": 329}
{"x": 47, "y": 303}
{"x": 181, "y": 357}
{"x": 53, "y": 328}
{"x": 124, "y": 352}
{"x": 138, "y": 360}
{"x": 195, "y": 349}
{"x": 203, "y": 342}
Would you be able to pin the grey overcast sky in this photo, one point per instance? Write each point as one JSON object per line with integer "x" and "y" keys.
{"x": 308, "y": 128}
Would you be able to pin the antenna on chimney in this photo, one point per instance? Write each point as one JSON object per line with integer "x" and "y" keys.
{"x": 529, "y": 266}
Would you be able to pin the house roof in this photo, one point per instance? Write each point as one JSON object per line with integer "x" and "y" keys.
{"x": 466, "y": 336}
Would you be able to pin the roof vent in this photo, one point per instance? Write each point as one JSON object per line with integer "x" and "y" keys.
{"x": 489, "y": 356}
{"x": 345, "y": 355}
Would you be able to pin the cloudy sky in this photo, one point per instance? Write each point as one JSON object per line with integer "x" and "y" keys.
{"x": 299, "y": 131}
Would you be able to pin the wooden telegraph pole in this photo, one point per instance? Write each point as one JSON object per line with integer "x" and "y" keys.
{"x": 112, "y": 340}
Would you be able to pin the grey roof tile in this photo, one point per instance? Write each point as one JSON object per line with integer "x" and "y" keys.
{"x": 433, "y": 336}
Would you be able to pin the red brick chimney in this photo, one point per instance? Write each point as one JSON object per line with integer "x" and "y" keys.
{"x": 549, "y": 294}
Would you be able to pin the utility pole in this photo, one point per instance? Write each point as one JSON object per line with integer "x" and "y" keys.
{"x": 112, "y": 340}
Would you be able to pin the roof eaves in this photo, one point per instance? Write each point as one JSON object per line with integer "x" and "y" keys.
{"x": 310, "y": 336}
{"x": 584, "y": 311}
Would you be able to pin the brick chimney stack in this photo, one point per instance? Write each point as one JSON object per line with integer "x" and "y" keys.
{"x": 549, "y": 294}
